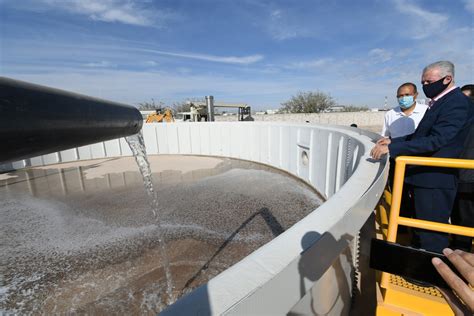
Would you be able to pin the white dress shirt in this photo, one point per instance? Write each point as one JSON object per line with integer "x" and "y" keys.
{"x": 398, "y": 124}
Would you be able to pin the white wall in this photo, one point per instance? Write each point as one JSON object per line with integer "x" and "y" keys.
{"x": 332, "y": 154}
{"x": 337, "y": 118}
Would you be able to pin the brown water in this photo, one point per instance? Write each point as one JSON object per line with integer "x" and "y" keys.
{"x": 80, "y": 237}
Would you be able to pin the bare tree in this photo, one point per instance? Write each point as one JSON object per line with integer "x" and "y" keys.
{"x": 150, "y": 105}
{"x": 308, "y": 102}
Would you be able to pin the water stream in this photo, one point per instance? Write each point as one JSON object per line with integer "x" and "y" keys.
{"x": 137, "y": 145}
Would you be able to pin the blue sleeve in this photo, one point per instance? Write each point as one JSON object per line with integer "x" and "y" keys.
{"x": 444, "y": 130}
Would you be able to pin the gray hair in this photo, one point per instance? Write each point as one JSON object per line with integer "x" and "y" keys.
{"x": 446, "y": 68}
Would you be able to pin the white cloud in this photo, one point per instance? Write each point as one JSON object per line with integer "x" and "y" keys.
{"x": 423, "y": 23}
{"x": 184, "y": 70}
{"x": 283, "y": 25}
{"x": 121, "y": 11}
{"x": 95, "y": 54}
{"x": 282, "y": 34}
{"x": 276, "y": 14}
{"x": 150, "y": 63}
{"x": 309, "y": 64}
{"x": 380, "y": 55}
{"x": 404, "y": 52}
{"x": 469, "y": 5}
{"x": 100, "y": 64}
{"x": 459, "y": 51}
{"x": 218, "y": 59}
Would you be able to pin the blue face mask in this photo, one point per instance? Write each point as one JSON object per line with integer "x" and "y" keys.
{"x": 406, "y": 101}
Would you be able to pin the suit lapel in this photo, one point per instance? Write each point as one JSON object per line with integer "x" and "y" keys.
{"x": 438, "y": 103}
{"x": 430, "y": 115}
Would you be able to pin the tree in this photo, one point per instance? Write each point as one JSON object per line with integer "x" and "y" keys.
{"x": 308, "y": 102}
{"x": 150, "y": 105}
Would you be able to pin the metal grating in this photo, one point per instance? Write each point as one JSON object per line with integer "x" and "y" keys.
{"x": 399, "y": 281}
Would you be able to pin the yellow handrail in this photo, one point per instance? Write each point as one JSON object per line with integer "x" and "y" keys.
{"x": 382, "y": 213}
{"x": 395, "y": 219}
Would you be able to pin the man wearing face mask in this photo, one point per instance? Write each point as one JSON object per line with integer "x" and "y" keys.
{"x": 403, "y": 119}
{"x": 441, "y": 133}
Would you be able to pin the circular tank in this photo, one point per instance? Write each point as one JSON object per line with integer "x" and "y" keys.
{"x": 239, "y": 209}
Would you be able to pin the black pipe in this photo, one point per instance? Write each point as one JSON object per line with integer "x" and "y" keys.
{"x": 37, "y": 120}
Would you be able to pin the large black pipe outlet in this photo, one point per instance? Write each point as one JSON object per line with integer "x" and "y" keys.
{"x": 37, "y": 120}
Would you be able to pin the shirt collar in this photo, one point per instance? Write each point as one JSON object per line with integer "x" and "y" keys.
{"x": 415, "y": 110}
{"x": 444, "y": 93}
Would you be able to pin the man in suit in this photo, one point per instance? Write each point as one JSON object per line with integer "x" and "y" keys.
{"x": 463, "y": 210}
{"x": 441, "y": 133}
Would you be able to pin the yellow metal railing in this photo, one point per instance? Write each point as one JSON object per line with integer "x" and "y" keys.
{"x": 382, "y": 213}
{"x": 395, "y": 219}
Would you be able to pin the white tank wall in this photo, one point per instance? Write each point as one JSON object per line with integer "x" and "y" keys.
{"x": 332, "y": 153}
{"x": 284, "y": 275}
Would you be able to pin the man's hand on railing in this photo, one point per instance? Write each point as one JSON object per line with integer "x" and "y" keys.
{"x": 464, "y": 263}
{"x": 384, "y": 141}
{"x": 378, "y": 151}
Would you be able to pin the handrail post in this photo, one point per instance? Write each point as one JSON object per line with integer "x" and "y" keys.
{"x": 400, "y": 166}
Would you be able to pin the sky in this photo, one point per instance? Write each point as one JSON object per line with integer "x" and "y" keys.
{"x": 248, "y": 51}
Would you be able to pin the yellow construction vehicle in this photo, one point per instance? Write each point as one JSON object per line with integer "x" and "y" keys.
{"x": 160, "y": 116}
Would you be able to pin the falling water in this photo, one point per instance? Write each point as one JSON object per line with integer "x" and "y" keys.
{"x": 137, "y": 145}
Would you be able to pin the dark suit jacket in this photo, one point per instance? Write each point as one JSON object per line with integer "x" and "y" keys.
{"x": 467, "y": 175}
{"x": 441, "y": 133}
